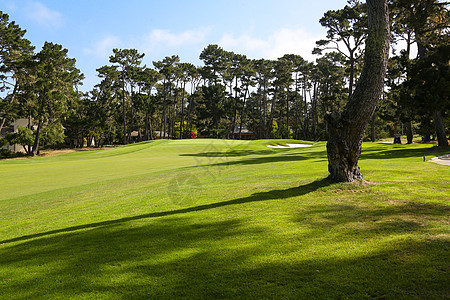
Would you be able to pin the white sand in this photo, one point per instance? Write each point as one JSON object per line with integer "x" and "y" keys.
{"x": 290, "y": 146}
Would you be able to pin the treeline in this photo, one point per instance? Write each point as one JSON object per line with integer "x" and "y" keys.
{"x": 284, "y": 98}
{"x": 280, "y": 98}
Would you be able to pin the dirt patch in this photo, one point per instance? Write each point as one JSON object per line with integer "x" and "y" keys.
{"x": 64, "y": 151}
{"x": 47, "y": 153}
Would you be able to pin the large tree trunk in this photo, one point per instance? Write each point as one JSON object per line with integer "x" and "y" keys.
{"x": 265, "y": 111}
{"x": 182, "y": 111}
{"x": 242, "y": 114}
{"x": 315, "y": 116}
{"x": 409, "y": 132}
{"x": 233, "y": 123}
{"x": 305, "y": 119}
{"x": 146, "y": 133}
{"x": 124, "y": 113}
{"x": 2, "y": 123}
{"x": 37, "y": 138}
{"x": 347, "y": 129}
{"x": 271, "y": 116}
{"x": 439, "y": 126}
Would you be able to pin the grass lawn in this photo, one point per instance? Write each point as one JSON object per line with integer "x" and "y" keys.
{"x": 224, "y": 219}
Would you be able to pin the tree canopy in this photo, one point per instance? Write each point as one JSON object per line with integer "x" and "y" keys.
{"x": 288, "y": 97}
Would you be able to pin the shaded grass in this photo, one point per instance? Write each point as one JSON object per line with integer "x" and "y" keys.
{"x": 223, "y": 219}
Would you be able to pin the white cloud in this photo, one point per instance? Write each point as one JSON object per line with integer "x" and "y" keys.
{"x": 43, "y": 15}
{"x": 167, "y": 38}
{"x": 160, "y": 42}
{"x": 275, "y": 45}
{"x": 103, "y": 48}
{"x": 154, "y": 44}
{"x": 245, "y": 42}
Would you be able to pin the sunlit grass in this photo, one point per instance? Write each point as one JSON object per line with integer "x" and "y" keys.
{"x": 223, "y": 219}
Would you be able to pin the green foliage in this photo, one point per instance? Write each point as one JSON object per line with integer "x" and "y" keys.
{"x": 52, "y": 135}
{"x": 3, "y": 142}
{"x": 419, "y": 87}
{"x": 429, "y": 83}
{"x": 55, "y": 77}
{"x": 230, "y": 90}
{"x": 24, "y": 136}
{"x": 14, "y": 51}
{"x": 274, "y": 133}
{"x": 213, "y": 57}
{"x": 15, "y": 58}
{"x": 210, "y": 108}
{"x": 347, "y": 27}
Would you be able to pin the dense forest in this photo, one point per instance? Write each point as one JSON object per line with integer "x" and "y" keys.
{"x": 231, "y": 94}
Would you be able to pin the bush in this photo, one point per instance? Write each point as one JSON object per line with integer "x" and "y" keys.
{"x": 3, "y": 142}
{"x": 52, "y": 135}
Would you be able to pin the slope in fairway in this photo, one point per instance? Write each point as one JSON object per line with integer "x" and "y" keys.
{"x": 223, "y": 219}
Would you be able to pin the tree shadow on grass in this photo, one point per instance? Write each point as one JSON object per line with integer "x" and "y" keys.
{"x": 194, "y": 258}
{"x": 393, "y": 219}
{"x": 394, "y": 152}
{"x": 230, "y": 153}
{"x": 260, "y": 160}
{"x": 73, "y": 263}
{"x": 241, "y": 156}
{"x": 256, "y": 197}
{"x": 262, "y": 157}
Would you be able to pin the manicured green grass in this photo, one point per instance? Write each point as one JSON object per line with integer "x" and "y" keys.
{"x": 224, "y": 219}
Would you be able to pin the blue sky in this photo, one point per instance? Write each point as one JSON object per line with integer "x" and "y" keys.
{"x": 91, "y": 29}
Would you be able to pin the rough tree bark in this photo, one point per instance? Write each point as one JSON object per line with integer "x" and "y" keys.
{"x": 37, "y": 138}
{"x": 347, "y": 128}
{"x": 439, "y": 125}
{"x": 409, "y": 132}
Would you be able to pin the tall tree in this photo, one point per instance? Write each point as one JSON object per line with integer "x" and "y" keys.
{"x": 15, "y": 57}
{"x": 247, "y": 81}
{"x": 430, "y": 22}
{"x": 147, "y": 104}
{"x": 187, "y": 71}
{"x": 429, "y": 88}
{"x": 127, "y": 62}
{"x": 401, "y": 31}
{"x": 194, "y": 82}
{"x": 218, "y": 70}
{"x": 348, "y": 128}
{"x": 263, "y": 70}
{"x": 214, "y": 58}
{"x": 55, "y": 78}
{"x": 300, "y": 79}
{"x": 346, "y": 33}
{"x": 107, "y": 97}
{"x": 332, "y": 94}
{"x": 167, "y": 69}
{"x": 283, "y": 69}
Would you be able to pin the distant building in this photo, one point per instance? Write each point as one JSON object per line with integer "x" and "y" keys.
{"x": 162, "y": 135}
{"x": 134, "y": 136}
{"x": 245, "y": 134}
{"x": 14, "y": 127}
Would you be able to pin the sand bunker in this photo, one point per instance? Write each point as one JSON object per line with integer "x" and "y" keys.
{"x": 290, "y": 146}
